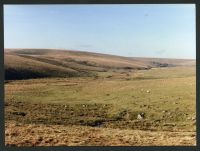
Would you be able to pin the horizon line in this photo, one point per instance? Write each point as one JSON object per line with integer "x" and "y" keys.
{"x": 77, "y": 50}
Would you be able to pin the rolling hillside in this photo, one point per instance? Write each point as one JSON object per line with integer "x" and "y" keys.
{"x": 37, "y": 63}
{"x": 108, "y": 100}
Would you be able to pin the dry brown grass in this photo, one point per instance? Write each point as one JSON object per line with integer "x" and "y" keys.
{"x": 100, "y": 109}
{"x": 59, "y": 135}
{"x": 77, "y": 61}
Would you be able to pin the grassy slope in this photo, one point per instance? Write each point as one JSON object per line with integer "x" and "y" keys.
{"x": 33, "y": 63}
{"x": 171, "y": 98}
{"x": 110, "y": 100}
{"x": 17, "y": 67}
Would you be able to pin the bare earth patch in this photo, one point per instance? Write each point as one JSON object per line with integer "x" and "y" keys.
{"x": 60, "y": 135}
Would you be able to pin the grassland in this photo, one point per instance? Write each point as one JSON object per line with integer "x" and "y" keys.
{"x": 100, "y": 104}
{"x": 59, "y": 135}
{"x": 37, "y": 63}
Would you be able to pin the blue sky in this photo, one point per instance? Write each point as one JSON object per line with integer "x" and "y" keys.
{"x": 165, "y": 31}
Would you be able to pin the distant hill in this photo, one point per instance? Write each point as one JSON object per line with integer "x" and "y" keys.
{"x": 37, "y": 63}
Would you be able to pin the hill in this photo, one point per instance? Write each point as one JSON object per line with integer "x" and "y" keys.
{"x": 37, "y": 63}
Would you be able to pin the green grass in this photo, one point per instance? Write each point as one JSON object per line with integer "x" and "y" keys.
{"x": 171, "y": 97}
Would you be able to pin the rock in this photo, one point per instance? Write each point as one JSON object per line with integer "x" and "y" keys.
{"x": 19, "y": 113}
{"x": 140, "y": 116}
{"x": 148, "y": 91}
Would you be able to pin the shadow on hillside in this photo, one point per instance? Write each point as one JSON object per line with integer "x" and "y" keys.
{"x": 13, "y": 74}
{"x": 20, "y": 74}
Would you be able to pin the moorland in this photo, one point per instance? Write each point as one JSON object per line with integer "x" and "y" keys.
{"x": 75, "y": 98}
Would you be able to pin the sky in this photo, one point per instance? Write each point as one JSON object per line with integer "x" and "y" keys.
{"x": 134, "y": 30}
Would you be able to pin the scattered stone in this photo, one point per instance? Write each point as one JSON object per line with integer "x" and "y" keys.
{"x": 140, "y": 116}
{"x": 148, "y": 91}
{"x": 19, "y": 113}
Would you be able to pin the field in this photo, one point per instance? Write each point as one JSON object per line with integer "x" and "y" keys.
{"x": 81, "y": 98}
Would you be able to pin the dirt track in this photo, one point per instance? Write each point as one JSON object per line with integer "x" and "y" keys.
{"x": 59, "y": 135}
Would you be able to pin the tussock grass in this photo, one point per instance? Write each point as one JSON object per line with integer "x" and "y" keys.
{"x": 59, "y": 135}
{"x": 87, "y": 94}
{"x": 163, "y": 100}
